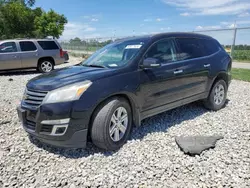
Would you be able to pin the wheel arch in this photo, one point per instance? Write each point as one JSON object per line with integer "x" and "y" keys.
{"x": 46, "y": 58}
{"x": 134, "y": 108}
{"x": 223, "y": 75}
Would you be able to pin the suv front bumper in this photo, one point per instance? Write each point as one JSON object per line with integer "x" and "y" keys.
{"x": 75, "y": 135}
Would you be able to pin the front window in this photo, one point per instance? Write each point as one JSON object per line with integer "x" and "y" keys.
{"x": 163, "y": 50}
{"x": 116, "y": 54}
{"x": 8, "y": 47}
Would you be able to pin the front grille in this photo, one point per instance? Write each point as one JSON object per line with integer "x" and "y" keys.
{"x": 34, "y": 98}
{"x": 30, "y": 125}
{"x": 46, "y": 128}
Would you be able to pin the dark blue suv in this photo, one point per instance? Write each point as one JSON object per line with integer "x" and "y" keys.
{"x": 121, "y": 84}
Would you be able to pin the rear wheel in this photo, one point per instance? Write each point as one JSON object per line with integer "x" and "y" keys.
{"x": 45, "y": 65}
{"x": 112, "y": 124}
{"x": 217, "y": 97}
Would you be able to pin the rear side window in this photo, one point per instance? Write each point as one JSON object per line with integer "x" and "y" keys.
{"x": 48, "y": 45}
{"x": 211, "y": 46}
{"x": 190, "y": 48}
{"x": 8, "y": 47}
{"x": 27, "y": 46}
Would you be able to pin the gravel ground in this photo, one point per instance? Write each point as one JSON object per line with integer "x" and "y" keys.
{"x": 151, "y": 157}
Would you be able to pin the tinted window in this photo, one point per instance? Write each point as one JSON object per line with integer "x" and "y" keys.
{"x": 48, "y": 45}
{"x": 190, "y": 48}
{"x": 211, "y": 46}
{"x": 8, "y": 47}
{"x": 27, "y": 46}
{"x": 163, "y": 50}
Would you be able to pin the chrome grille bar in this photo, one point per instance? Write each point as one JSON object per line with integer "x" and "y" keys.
{"x": 34, "y": 98}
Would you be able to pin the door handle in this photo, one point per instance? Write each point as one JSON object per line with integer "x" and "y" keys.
{"x": 178, "y": 71}
{"x": 207, "y": 65}
{"x": 14, "y": 56}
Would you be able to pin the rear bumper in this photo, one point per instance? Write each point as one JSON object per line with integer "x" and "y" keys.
{"x": 59, "y": 61}
{"x": 75, "y": 135}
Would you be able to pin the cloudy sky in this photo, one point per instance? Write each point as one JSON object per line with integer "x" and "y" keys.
{"x": 109, "y": 18}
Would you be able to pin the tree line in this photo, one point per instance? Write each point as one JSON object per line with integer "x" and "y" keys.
{"x": 19, "y": 19}
{"x": 91, "y": 42}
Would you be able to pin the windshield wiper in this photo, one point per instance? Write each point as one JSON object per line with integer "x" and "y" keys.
{"x": 98, "y": 66}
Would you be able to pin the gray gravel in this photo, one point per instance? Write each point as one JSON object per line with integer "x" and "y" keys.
{"x": 151, "y": 158}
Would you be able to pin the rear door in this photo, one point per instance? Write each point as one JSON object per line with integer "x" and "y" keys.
{"x": 192, "y": 53}
{"x": 29, "y": 54}
{"x": 9, "y": 56}
{"x": 162, "y": 85}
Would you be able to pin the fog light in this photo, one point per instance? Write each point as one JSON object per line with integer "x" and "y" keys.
{"x": 59, "y": 130}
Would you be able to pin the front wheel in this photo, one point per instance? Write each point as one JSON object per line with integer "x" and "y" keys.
{"x": 217, "y": 97}
{"x": 112, "y": 124}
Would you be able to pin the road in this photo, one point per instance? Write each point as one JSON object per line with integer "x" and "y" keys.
{"x": 241, "y": 65}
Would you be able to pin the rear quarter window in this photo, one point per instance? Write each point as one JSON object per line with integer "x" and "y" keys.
{"x": 48, "y": 45}
{"x": 211, "y": 46}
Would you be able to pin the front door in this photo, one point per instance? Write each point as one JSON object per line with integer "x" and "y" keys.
{"x": 9, "y": 56}
{"x": 162, "y": 85}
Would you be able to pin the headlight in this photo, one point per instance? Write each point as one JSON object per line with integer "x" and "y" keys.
{"x": 67, "y": 93}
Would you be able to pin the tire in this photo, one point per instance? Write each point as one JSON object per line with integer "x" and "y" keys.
{"x": 103, "y": 123}
{"x": 213, "y": 102}
{"x": 45, "y": 66}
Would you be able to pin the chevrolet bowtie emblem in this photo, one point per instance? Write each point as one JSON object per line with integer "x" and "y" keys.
{"x": 25, "y": 97}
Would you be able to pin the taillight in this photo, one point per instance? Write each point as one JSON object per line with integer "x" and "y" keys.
{"x": 61, "y": 53}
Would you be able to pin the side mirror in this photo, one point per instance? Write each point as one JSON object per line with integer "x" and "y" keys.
{"x": 150, "y": 63}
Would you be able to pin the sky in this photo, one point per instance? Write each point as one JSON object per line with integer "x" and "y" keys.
{"x": 118, "y": 18}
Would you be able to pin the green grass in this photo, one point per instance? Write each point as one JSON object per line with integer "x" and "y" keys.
{"x": 241, "y": 74}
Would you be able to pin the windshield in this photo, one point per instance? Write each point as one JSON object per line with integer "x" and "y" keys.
{"x": 116, "y": 54}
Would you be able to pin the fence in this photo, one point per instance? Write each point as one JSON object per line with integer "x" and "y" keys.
{"x": 236, "y": 42}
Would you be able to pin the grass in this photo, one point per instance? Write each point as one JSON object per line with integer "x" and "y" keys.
{"x": 241, "y": 74}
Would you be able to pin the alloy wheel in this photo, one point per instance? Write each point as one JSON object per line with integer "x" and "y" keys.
{"x": 118, "y": 124}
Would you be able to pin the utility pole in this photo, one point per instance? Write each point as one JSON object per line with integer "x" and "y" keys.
{"x": 234, "y": 40}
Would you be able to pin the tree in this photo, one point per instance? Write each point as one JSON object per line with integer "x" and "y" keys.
{"x": 24, "y": 2}
{"x": 19, "y": 20}
{"x": 16, "y": 20}
{"x": 50, "y": 24}
{"x": 75, "y": 41}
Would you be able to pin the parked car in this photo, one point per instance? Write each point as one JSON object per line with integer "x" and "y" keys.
{"x": 122, "y": 84}
{"x": 42, "y": 54}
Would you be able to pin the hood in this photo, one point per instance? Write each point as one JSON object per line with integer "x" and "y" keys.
{"x": 66, "y": 76}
